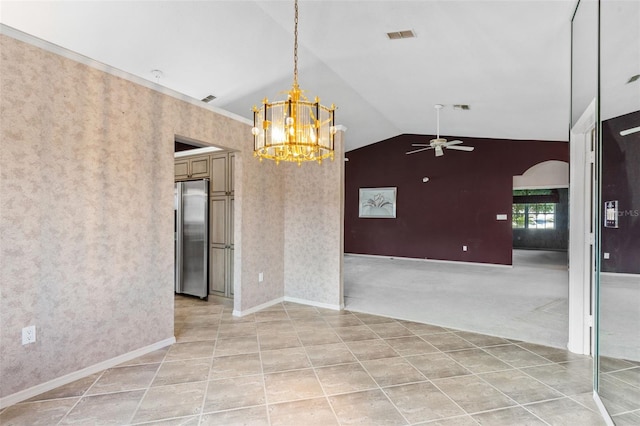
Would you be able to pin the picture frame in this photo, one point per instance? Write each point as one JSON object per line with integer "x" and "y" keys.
{"x": 378, "y": 202}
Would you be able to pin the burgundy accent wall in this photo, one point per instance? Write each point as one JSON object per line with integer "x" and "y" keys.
{"x": 621, "y": 181}
{"x": 458, "y": 206}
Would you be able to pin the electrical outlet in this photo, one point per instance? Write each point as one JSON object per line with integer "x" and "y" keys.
{"x": 29, "y": 334}
{"x": 606, "y": 255}
{"x": 260, "y": 277}
{"x": 464, "y": 248}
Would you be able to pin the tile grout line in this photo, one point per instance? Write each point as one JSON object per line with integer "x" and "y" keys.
{"x": 380, "y": 388}
{"x": 572, "y": 366}
{"x": 133, "y": 415}
{"x": 369, "y": 374}
{"x": 513, "y": 368}
{"x": 446, "y": 353}
{"x": 617, "y": 379}
{"x": 518, "y": 404}
{"x": 264, "y": 379}
{"x": 80, "y": 398}
{"x": 213, "y": 352}
{"x": 563, "y": 394}
{"x": 452, "y": 400}
{"x": 313, "y": 368}
{"x": 465, "y": 375}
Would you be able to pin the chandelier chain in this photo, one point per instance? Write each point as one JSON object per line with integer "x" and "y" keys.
{"x": 295, "y": 46}
{"x": 295, "y": 129}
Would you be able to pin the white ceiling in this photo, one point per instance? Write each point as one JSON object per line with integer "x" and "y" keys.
{"x": 509, "y": 60}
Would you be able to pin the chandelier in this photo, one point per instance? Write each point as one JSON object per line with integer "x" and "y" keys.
{"x": 294, "y": 129}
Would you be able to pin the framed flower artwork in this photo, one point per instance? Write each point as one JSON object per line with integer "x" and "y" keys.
{"x": 378, "y": 202}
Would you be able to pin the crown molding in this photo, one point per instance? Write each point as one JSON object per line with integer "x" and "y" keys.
{"x": 61, "y": 51}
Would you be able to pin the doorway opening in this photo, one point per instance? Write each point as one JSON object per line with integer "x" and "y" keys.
{"x": 582, "y": 231}
{"x": 197, "y": 161}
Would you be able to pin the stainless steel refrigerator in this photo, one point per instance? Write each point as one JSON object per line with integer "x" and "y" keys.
{"x": 192, "y": 238}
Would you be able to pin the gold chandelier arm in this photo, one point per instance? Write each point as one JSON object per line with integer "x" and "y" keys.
{"x": 295, "y": 129}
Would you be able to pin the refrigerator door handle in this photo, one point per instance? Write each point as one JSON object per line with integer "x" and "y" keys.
{"x": 178, "y": 238}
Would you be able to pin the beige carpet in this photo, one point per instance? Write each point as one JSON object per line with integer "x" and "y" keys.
{"x": 526, "y": 302}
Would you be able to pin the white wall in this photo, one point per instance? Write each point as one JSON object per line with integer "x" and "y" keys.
{"x": 548, "y": 174}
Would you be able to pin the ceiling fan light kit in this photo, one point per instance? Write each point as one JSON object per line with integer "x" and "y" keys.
{"x": 438, "y": 144}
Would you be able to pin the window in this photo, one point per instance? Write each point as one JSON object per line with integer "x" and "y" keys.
{"x": 534, "y": 216}
{"x": 534, "y": 209}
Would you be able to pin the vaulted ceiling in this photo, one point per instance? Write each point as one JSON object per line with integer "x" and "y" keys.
{"x": 508, "y": 60}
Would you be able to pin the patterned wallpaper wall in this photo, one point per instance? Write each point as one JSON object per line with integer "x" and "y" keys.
{"x": 86, "y": 252}
{"x": 262, "y": 232}
{"x": 86, "y": 230}
{"x": 313, "y": 230}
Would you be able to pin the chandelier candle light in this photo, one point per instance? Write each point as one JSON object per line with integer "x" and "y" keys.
{"x": 294, "y": 129}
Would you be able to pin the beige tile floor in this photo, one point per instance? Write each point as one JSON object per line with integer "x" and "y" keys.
{"x": 620, "y": 389}
{"x": 299, "y": 365}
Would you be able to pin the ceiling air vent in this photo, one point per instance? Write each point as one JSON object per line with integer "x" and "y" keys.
{"x": 208, "y": 98}
{"x": 397, "y": 35}
{"x": 464, "y": 107}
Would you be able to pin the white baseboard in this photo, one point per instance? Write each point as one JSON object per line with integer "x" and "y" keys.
{"x": 603, "y": 411}
{"x": 260, "y": 307}
{"x": 76, "y": 375}
{"x": 452, "y": 262}
{"x": 312, "y": 303}
{"x": 622, "y": 275}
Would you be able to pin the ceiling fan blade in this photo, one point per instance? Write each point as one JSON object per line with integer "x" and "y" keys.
{"x": 456, "y": 142}
{"x": 420, "y": 144}
{"x": 419, "y": 150}
{"x": 439, "y": 151}
{"x": 461, "y": 148}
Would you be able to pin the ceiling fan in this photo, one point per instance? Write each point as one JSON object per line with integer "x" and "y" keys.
{"x": 439, "y": 143}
